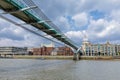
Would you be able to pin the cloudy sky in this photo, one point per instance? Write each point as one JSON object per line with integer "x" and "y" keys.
{"x": 97, "y": 19}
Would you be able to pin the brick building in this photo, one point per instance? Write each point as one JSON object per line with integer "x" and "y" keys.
{"x": 43, "y": 50}
{"x": 49, "y": 51}
{"x": 64, "y": 51}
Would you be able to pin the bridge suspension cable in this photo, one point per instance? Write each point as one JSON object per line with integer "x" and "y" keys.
{"x": 44, "y": 17}
{"x": 25, "y": 28}
{"x": 34, "y": 16}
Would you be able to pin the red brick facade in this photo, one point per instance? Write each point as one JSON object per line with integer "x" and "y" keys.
{"x": 48, "y": 50}
{"x": 64, "y": 51}
{"x": 42, "y": 51}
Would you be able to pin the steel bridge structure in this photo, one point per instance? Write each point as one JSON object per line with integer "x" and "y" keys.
{"x": 27, "y": 11}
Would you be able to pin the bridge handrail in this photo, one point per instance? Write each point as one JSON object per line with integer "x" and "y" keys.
{"x": 50, "y": 25}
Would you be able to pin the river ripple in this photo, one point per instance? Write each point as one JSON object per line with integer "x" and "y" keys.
{"x": 31, "y": 69}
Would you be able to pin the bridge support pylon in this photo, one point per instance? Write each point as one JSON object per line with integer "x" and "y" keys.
{"x": 76, "y": 56}
{"x": 77, "y": 53}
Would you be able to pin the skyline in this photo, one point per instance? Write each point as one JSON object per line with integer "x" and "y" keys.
{"x": 96, "y": 19}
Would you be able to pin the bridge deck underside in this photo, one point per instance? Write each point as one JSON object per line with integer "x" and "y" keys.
{"x": 28, "y": 17}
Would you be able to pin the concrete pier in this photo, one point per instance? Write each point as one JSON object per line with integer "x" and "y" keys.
{"x": 76, "y": 56}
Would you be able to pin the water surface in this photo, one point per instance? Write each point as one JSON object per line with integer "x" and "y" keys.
{"x": 31, "y": 69}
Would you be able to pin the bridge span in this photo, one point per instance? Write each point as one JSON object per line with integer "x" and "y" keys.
{"x": 27, "y": 11}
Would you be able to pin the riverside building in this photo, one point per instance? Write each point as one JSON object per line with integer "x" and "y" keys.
{"x": 66, "y": 51}
{"x": 13, "y": 50}
{"x": 107, "y": 49}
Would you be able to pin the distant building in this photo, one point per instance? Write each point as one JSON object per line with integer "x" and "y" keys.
{"x": 48, "y": 45}
{"x": 52, "y": 51}
{"x": 65, "y": 51}
{"x": 30, "y": 51}
{"x": 107, "y": 49}
{"x": 43, "y": 50}
{"x": 13, "y": 50}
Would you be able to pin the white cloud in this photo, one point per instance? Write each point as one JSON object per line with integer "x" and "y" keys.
{"x": 12, "y": 31}
{"x": 103, "y": 30}
{"x": 76, "y": 36}
{"x": 30, "y": 40}
{"x": 95, "y": 27}
{"x": 12, "y": 35}
{"x": 64, "y": 24}
{"x": 98, "y": 30}
{"x": 10, "y": 42}
{"x": 115, "y": 15}
{"x": 80, "y": 19}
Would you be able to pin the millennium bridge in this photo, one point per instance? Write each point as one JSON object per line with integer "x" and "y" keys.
{"x": 30, "y": 13}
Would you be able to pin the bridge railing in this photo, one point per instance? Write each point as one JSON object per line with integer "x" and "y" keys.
{"x": 39, "y": 16}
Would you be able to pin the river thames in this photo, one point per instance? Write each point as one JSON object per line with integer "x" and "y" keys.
{"x": 35, "y": 69}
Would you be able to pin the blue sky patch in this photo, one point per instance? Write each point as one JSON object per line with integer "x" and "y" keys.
{"x": 97, "y": 14}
